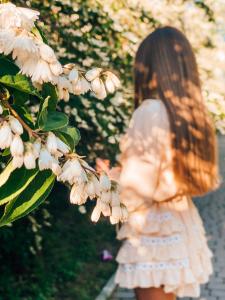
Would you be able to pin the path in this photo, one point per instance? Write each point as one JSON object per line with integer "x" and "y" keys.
{"x": 212, "y": 210}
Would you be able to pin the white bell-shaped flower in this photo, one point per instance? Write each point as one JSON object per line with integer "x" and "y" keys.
{"x": 96, "y": 213}
{"x": 114, "y": 79}
{"x": 106, "y": 197}
{"x": 37, "y": 147}
{"x": 56, "y": 68}
{"x": 15, "y": 125}
{"x": 73, "y": 172}
{"x": 17, "y": 162}
{"x": 105, "y": 209}
{"x": 116, "y": 213}
{"x": 78, "y": 194}
{"x": 45, "y": 159}
{"x": 105, "y": 183}
{"x": 5, "y": 135}
{"x": 98, "y": 88}
{"x": 42, "y": 72}
{"x": 61, "y": 146}
{"x": 51, "y": 143}
{"x": 115, "y": 200}
{"x": 93, "y": 73}
{"x": 110, "y": 85}
{"x": 55, "y": 167}
{"x": 74, "y": 76}
{"x": 47, "y": 53}
{"x": 17, "y": 147}
{"x": 29, "y": 160}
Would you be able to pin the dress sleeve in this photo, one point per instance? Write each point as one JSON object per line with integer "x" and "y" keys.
{"x": 146, "y": 155}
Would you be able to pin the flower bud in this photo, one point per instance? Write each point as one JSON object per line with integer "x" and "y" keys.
{"x": 105, "y": 183}
{"x": 56, "y": 169}
{"x": 93, "y": 73}
{"x": 96, "y": 213}
{"x": 45, "y": 159}
{"x": 15, "y": 125}
{"x": 5, "y": 135}
{"x": 17, "y": 147}
{"x": 105, "y": 208}
{"x": 78, "y": 194}
{"x": 61, "y": 146}
{"x": 17, "y": 162}
{"x": 74, "y": 76}
{"x": 47, "y": 53}
{"x": 51, "y": 143}
{"x": 29, "y": 160}
{"x": 37, "y": 147}
{"x": 98, "y": 88}
{"x": 110, "y": 85}
{"x": 106, "y": 197}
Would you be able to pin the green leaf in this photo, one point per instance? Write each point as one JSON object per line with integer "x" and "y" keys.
{"x": 17, "y": 181}
{"x": 20, "y": 82}
{"x": 20, "y": 98}
{"x": 52, "y": 120}
{"x": 30, "y": 198}
{"x": 49, "y": 91}
{"x": 7, "y": 67}
{"x": 4, "y": 176}
{"x": 69, "y": 135}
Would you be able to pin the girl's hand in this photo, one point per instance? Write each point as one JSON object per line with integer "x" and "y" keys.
{"x": 102, "y": 165}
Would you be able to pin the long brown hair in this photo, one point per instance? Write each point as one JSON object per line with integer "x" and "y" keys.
{"x": 165, "y": 66}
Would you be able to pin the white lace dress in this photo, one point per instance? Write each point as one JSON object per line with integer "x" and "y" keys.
{"x": 165, "y": 242}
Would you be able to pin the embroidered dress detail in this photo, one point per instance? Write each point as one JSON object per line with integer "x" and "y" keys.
{"x": 183, "y": 263}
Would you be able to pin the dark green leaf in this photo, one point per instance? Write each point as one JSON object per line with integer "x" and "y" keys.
{"x": 16, "y": 183}
{"x": 19, "y": 98}
{"x": 20, "y": 82}
{"x": 53, "y": 121}
{"x": 30, "y": 198}
{"x": 49, "y": 91}
{"x": 7, "y": 67}
{"x": 69, "y": 135}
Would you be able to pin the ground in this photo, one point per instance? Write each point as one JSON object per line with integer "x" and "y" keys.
{"x": 212, "y": 210}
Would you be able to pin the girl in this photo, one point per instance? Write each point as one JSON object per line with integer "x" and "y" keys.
{"x": 168, "y": 155}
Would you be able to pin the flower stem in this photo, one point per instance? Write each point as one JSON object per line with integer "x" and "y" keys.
{"x": 15, "y": 114}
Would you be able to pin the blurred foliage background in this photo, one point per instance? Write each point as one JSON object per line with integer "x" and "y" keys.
{"x": 54, "y": 253}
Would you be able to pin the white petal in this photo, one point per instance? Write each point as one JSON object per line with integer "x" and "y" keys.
{"x": 45, "y": 159}
{"x": 93, "y": 73}
{"x": 105, "y": 183}
{"x": 29, "y": 160}
{"x": 1, "y": 109}
{"x": 56, "y": 68}
{"x": 17, "y": 147}
{"x": 51, "y": 143}
{"x": 15, "y": 125}
{"x": 17, "y": 161}
{"x": 106, "y": 197}
{"x": 5, "y": 136}
{"x": 47, "y": 53}
{"x": 74, "y": 76}
{"x": 61, "y": 146}
{"x": 110, "y": 85}
{"x": 96, "y": 213}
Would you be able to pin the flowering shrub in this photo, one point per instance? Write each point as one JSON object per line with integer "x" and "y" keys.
{"x": 39, "y": 147}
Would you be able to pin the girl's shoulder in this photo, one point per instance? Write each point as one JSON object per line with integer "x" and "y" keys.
{"x": 151, "y": 108}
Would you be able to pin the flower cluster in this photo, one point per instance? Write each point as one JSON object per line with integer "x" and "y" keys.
{"x": 36, "y": 59}
{"x": 48, "y": 152}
